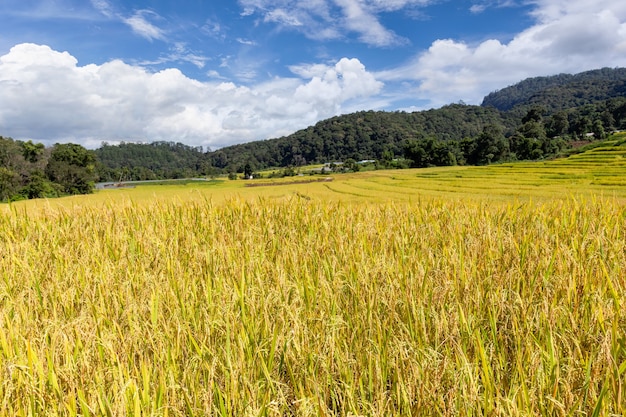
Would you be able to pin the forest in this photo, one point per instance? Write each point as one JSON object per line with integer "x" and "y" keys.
{"x": 534, "y": 119}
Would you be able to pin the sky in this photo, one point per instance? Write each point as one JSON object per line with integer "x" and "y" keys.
{"x": 216, "y": 73}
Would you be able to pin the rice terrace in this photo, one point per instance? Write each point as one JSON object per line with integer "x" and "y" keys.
{"x": 495, "y": 290}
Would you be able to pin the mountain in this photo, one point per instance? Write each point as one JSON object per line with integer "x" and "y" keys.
{"x": 559, "y": 92}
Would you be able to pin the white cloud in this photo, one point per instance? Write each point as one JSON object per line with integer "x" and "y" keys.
{"x": 53, "y": 99}
{"x": 391, "y": 5}
{"x": 568, "y": 36}
{"x": 282, "y": 17}
{"x": 139, "y": 23}
{"x": 213, "y": 29}
{"x": 333, "y": 19}
{"x": 329, "y": 87}
{"x": 478, "y": 8}
{"x": 361, "y": 20}
{"x": 482, "y": 5}
{"x": 103, "y": 7}
{"x": 178, "y": 52}
{"x": 246, "y": 42}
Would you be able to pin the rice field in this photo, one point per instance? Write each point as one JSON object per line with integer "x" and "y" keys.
{"x": 463, "y": 291}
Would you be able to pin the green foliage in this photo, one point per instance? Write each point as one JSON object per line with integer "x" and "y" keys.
{"x": 158, "y": 160}
{"x": 247, "y": 171}
{"x": 561, "y": 91}
{"x": 29, "y": 170}
{"x": 430, "y": 152}
{"x": 39, "y": 186}
{"x": 598, "y": 130}
{"x": 9, "y": 183}
{"x": 32, "y": 151}
{"x": 558, "y": 124}
{"x": 73, "y": 167}
{"x": 285, "y": 172}
{"x": 535, "y": 117}
{"x": 351, "y": 165}
{"x": 490, "y": 146}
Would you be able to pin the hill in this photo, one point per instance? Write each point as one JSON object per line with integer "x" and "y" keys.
{"x": 560, "y": 92}
{"x": 358, "y": 136}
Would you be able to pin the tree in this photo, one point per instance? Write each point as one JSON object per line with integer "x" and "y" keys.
{"x": 598, "y": 130}
{"x": 430, "y": 152}
{"x": 9, "y": 182}
{"x": 533, "y": 115}
{"x": 525, "y": 148}
{"x": 581, "y": 125}
{"x": 32, "y": 151}
{"x": 386, "y": 158}
{"x": 415, "y": 152}
{"x": 73, "y": 167}
{"x": 38, "y": 186}
{"x": 247, "y": 171}
{"x": 557, "y": 125}
{"x": 490, "y": 146}
{"x": 351, "y": 165}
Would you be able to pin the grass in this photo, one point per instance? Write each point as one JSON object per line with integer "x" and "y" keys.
{"x": 452, "y": 291}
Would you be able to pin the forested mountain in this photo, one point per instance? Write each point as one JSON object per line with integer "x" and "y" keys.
{"x": 560, "y": 92}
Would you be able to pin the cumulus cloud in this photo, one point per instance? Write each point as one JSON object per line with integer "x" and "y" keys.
{"x": 51, "y": 98}
{"x": 568, "y": 36}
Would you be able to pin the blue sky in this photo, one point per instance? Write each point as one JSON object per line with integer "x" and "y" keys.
{"x": 214, "y": 73}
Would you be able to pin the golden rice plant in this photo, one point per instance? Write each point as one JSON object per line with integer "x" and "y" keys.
{"x": 299, "y": 307}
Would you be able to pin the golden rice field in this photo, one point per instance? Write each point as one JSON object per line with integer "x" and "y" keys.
{"x": 465, "y": 291}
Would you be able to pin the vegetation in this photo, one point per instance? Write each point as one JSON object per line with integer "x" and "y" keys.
{"x": 561, "y": 92}
{"x": 158, "y": 160}
{"x": 453, "y": 291}
{"x": 29, "y": 170}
